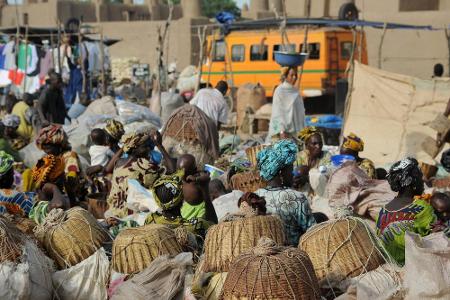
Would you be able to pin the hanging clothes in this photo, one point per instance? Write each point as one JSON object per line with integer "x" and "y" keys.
{"x": 46, "y": 64}
{"x": 9, "y": 51}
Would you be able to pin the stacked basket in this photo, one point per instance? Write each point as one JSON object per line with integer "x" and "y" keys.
{"x": 135, "y": 248}
{"x": 227, "y": 240}
{"x": 249, "y": 181}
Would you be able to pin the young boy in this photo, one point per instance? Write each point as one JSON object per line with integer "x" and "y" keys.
{"x": 100, "y": 152}
{"x": 441, "y": 205}
{"x": 195, "y": 188}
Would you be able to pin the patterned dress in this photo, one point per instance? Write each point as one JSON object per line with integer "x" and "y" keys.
{"x": 196, "y": 226}
{"x": 391, "y": 225}
{"x": 143, "y": 171}
{"x": 16, "y": 203}
{"x": 293, "y": 209}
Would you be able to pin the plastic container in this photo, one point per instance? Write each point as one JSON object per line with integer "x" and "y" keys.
{"x": 287, "y": 59}
{"x": 339, "y": 159}
{"x": 213, "y": 171}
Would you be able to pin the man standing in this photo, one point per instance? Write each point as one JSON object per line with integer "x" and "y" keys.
{"x": 212, "y": 103}
{"x": 51, "y": 105}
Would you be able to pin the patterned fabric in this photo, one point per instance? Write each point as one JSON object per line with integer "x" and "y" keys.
{"x": 405, "y": 173}
{"x": 71, "y": 164}
{"x": 189, "y": 212}
{"x": 368, "y": 167}
{"x": 6, "y": 162}
{"x": 303, "y": 159}
{"x": 272, "y": 160}
{"x": 173, "y": 183}
{"x": 39, "y": 212}
{"x": 11, "y": 120}
{"x": 391, "y": 225}
{"x": 115, "y": 129}
{"x": 16, "y": 203}
{"x": 293, "y": 209}
{"x": 134, "y": 140}
{"x": 142, "y": 170}
{"x": 197, "y": 226}
{"x": 308, "y": 132}
{"x": 53, "y": 134}
{"x": 50, "y": 168}
{"x": 353, "y": 142}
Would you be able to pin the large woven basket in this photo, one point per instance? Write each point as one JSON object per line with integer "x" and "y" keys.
{"x": 71, "y": 236}
{"x": 215, "y": 287}
{"x": 249, "y": 181}
{"x": 227, "y": 240}
{"x": 342, "y": 248}
{"x": 182, "y": 130}
{"x": 252, "y": 153}
{"x": 11, "y": 241}
{"x": 271, "y": 272}
{"x": 135, "y": 248}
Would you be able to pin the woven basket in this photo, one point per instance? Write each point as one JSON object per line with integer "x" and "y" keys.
{"x": 252, "y": 153}
{"x": 215, "y": 286}
{"x": 25, "y": 225}
{"x": 268, "y": 272}
{"x": 227, "y": 240}
{"x": 135, "y": 248}
{"x": 11, "y": 241}
{"x": 341, "y": 248}
{"x": 71, "y": 236}
{"x": 249, "y": 181}
{"x": 182, "y": 130}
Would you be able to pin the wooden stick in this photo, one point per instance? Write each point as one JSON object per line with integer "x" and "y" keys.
{"x": 211, "y": 56}
{"x": 380, "y": 46}
{"x": 102, "y": 61}
{"x": 305, "y": 42}
{"x": 59, "y": 46}
{"x": 201, "y": 32}
{"x": 83, "y": 71}
{"x": 24, "y": 83}
{"x": 447, "y": 35}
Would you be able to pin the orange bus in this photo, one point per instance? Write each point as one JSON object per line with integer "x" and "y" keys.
{"x": 245, "y": 56}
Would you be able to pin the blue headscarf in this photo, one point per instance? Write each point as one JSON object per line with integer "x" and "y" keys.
{"x": 272, "y": 160}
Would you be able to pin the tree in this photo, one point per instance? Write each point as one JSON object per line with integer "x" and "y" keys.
{"x": 211, "y": 7}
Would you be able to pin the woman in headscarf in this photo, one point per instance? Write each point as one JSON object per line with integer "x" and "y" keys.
{"x": 60, "y": 165}
{"x": 12, "y": 123}
{"x": 352, "y": 145}
{"x": 168, "y": 194}
{"x": 409, "y": 211}
{"x": 115, "y": 131}
{"x": 137, "y": 165}
{"x": 22, "y": 204}
{"x": 276, "y": 167}
{"x": 288, "y": 109}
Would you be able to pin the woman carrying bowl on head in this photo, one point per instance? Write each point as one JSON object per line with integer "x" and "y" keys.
{"x": 288, "y": 110}
{"x": 351, "y": 146}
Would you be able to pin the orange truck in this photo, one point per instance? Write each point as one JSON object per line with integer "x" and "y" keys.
{"x": 245, "y": 56}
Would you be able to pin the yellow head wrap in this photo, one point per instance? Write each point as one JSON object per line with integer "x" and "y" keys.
{"x": 115, "y": 129}
{"x": 174, "y": 186}
{"x": 134, "y": 140}
{"x": 353, "y": 142}
{"x": 308, "y": 132}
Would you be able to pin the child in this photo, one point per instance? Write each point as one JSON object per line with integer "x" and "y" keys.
{"x": 100, "y": 153}
{"x": 441, "y": 206}
{"x": 195, "y": 188}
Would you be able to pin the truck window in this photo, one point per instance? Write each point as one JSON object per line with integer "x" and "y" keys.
{"x": 346, "y": 50}
{"x": 219, "y": 51}
{"x": 288, "y": 48}
{"x": 313, "y": 50}
{"x": 258, "y": 52}
{"x": 238, "y": 53}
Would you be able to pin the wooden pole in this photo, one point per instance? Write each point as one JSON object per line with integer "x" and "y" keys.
{"x": 102, "y": 61}
{"x": 83, "y": 71}
{"x": 380, "y": 46}
{"x": 59, "y": 46}
{"x": 305, "y": 41}
{"x": 201, "y": 32}
{"x": 24, "y": 83}
{"x": 447, "y": 35}
{"x": 212, "y": 54}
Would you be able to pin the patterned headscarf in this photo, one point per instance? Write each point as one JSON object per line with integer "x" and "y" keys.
{"x": 405, "y": 173}
{"x": 52, "y": 134}
{"x": 353, "y": 142}
{"x": 50, "y": 168}
{"x": 132, "y": 141}
{"x": 308, "y": 132}
{"x": 11, "y": 121}
{"x": 272, "y": 160}
{"x": 115, "y": 129}
{"x": 6, "y": 162}
{"x": 173, "y": 185}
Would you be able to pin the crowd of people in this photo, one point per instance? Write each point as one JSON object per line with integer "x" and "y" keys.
{"x": 186, "y": 196}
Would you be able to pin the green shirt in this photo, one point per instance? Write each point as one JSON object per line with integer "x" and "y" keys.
{"x": 193, "y": 211}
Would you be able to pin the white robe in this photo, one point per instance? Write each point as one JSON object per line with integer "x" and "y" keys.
{"x": 288, "y": 111}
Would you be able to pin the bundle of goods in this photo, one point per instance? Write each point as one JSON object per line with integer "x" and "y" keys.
{"x": 187, "y": 79}
{"x": 342, "y": 248}
{"x": 269, "y": 271}
{"x": 122, "y": 68}
{"x": 163, "y": 279}
{"x": 227, "y": 240}
{"x": 190, "y": 130}
{"x": 71, "y": 236}
{"x": 251, "y": 96}
{"x": 249, "y": 181}
{"x": 135, "y": 248}
{"x": 252, "y": 153}
{"x": 25, "y": 272}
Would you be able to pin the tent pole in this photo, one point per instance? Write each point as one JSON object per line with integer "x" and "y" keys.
{"x": 380, "y": 46}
